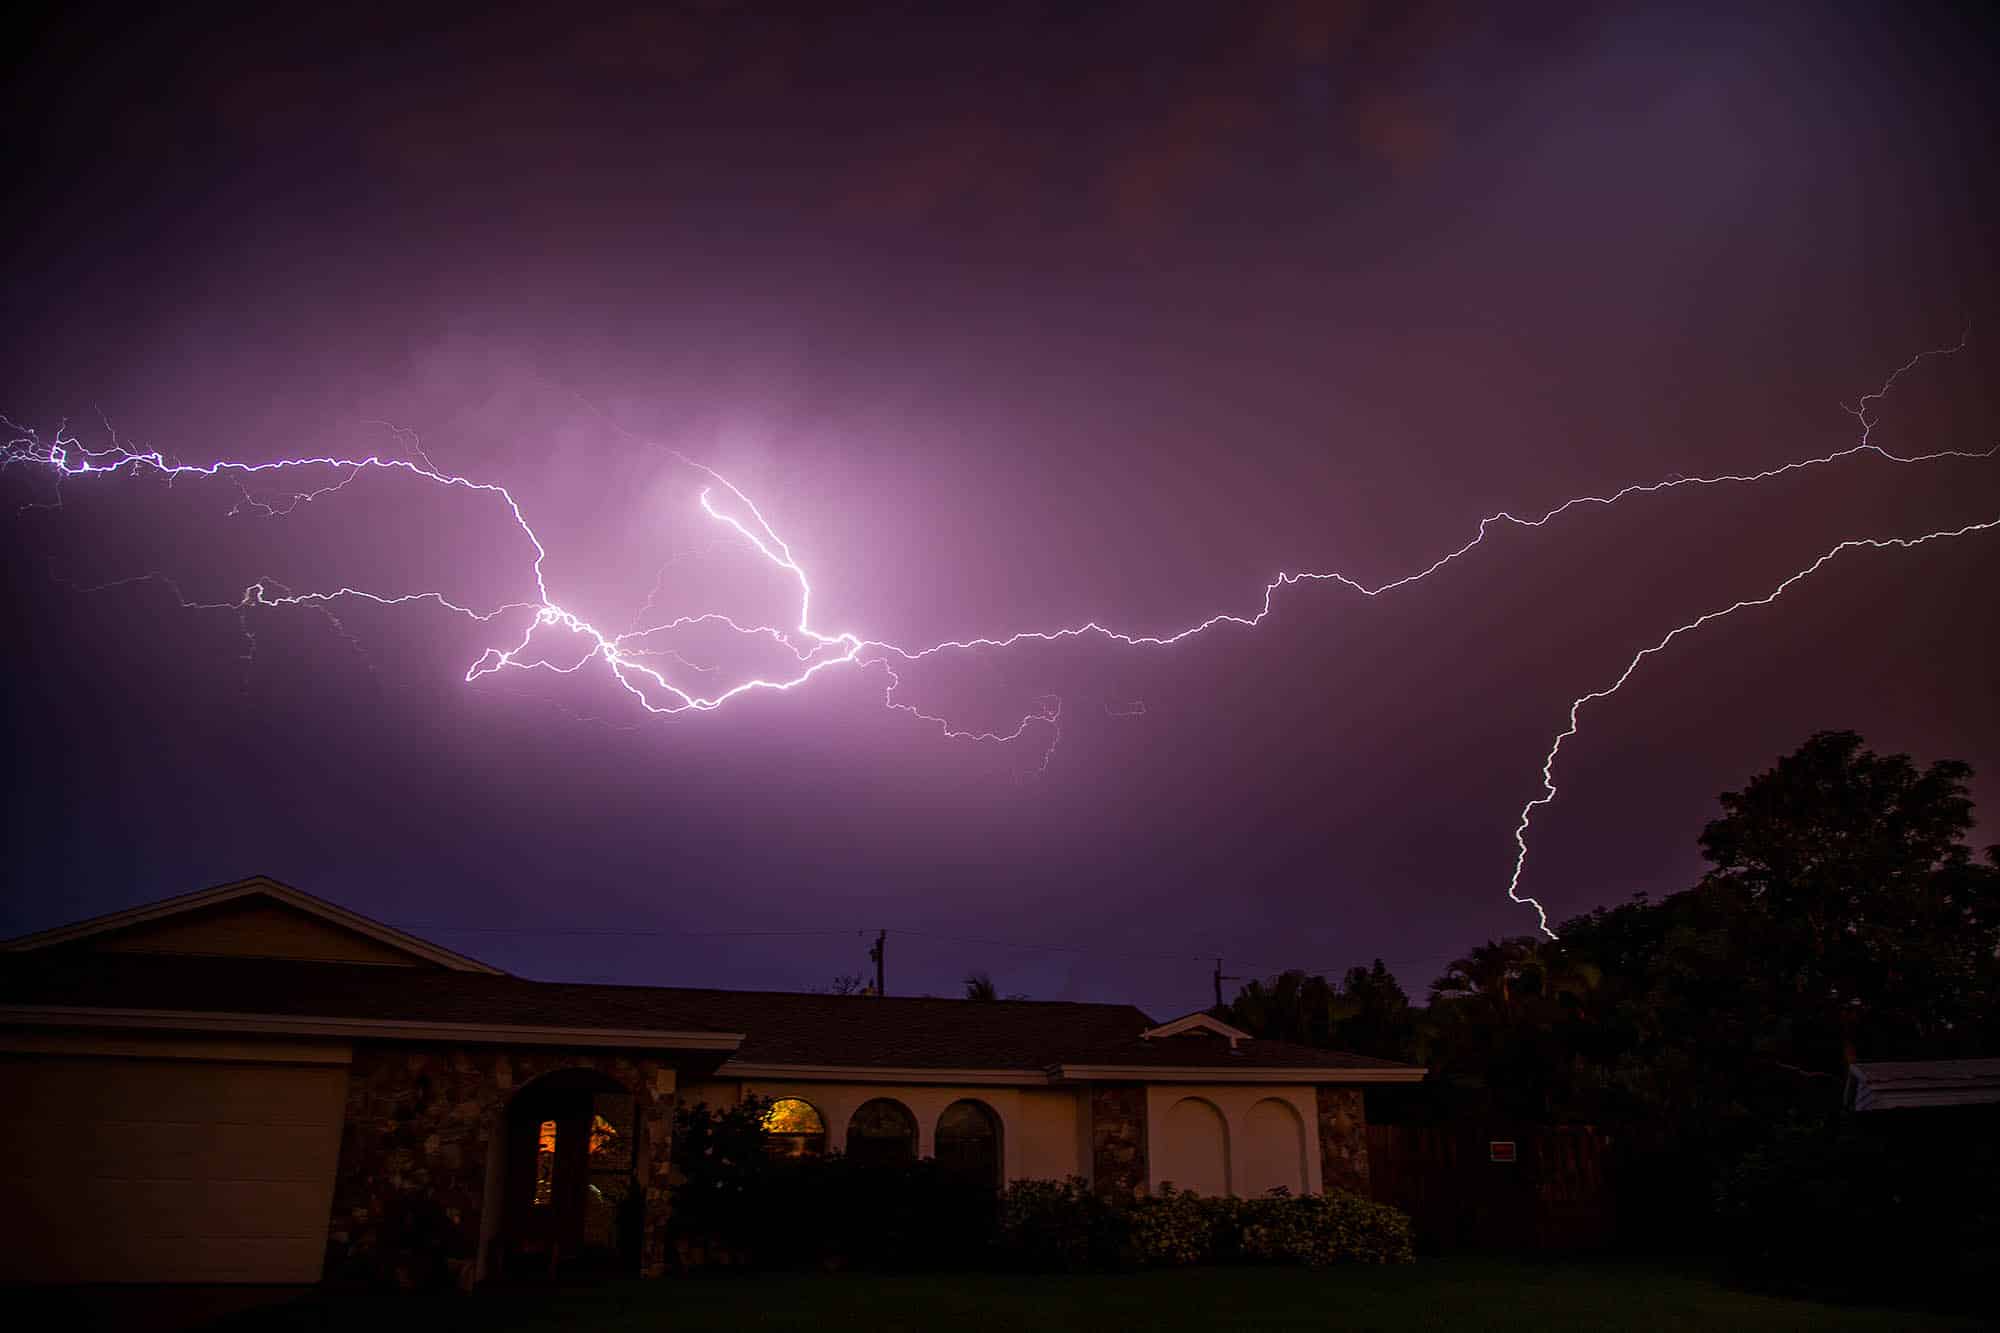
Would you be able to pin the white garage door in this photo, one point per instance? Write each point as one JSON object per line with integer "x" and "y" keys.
{"x": 164, "y": 1170}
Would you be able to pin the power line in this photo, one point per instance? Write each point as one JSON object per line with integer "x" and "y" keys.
{"x": 1024, "y": 945}
{"x": 609, "y": 930}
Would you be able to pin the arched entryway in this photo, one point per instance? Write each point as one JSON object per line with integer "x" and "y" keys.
{"x": 570, "y": 1202}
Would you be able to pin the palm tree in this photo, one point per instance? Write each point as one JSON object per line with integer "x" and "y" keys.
{"x": 979, "y": 986}
{"x": 1500, "y": 972}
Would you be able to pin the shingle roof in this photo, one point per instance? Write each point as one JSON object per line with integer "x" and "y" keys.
{"x": 906, "y": 1032}
{"x": 783, "y": 1028}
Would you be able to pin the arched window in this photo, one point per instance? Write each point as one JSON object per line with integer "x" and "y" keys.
{"x": 882, "y": 1133}
{"x": 793, "y": 1128}
{"x": 968, "y": 1142}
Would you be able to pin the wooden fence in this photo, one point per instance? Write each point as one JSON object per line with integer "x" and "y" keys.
{"x": 1464, "y": 1189}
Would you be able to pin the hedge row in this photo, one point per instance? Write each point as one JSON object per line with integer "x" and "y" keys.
{"x": 1061, "y": 1224}
{"x": 832, "y": 1212}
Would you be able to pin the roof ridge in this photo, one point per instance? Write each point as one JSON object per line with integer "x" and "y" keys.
{"x": 823, "y": 995}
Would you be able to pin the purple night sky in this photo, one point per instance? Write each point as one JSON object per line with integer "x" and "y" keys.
{"x": 1066, "y": 313}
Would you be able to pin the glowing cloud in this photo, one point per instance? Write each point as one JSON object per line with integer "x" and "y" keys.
{"x": 813, "y": 651}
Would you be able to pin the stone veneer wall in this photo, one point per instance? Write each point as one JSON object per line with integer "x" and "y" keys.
{"x": 1118, "y": 1140}
{"x": 1343, "y": 1139}
{"x": 424, "y": 1119}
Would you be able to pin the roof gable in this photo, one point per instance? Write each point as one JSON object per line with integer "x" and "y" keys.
{"x": 1197, "y": 1023}
{"x": 256, "y": 918}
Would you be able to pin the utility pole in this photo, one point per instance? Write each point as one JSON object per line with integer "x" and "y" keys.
{"x": 1219, "y": 979}
{"x": 881, "y": 937}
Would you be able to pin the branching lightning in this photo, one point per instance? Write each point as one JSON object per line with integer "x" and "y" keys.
{"x": 644, "y": 670}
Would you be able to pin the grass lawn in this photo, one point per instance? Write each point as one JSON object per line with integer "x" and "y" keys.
{"x": 1457, "y": 1294}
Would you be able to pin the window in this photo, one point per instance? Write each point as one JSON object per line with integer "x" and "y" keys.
{"x": 608, "y": 1185}
{"x": 545, "y": 1164}
{"x": 793, "y": 1128}
{"x": 882, "y": 1133}
{"x": 968, "y": 1142}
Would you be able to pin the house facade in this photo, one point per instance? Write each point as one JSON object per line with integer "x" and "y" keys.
{"x": 250, "y": 1084}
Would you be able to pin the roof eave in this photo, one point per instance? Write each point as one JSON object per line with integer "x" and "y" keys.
{"x": 413, "y": 945}
{"x": 1080, "y": 1073}
{"x": 778, "y": 1071}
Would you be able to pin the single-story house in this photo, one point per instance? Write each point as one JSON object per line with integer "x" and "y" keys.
{"x": 249, "y": 1084}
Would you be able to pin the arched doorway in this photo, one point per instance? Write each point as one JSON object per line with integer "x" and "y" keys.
{"x": 570, "y": 1202}
{"x": 882, "y": 1132}
{"x": 968, "y": 1142}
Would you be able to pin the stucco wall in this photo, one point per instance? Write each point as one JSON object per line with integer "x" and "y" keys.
{"x": 1055, "y": 1124}
{"x": 1039, "y": 1132}
{"x": 1251, "y": 1155}
{"x": 1116, "y": 1135}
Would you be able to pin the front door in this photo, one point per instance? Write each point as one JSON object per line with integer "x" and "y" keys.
{"x": 569, "y": 1179}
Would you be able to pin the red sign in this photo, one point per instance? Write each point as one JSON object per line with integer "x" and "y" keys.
{"x": 1500, "y": 1150}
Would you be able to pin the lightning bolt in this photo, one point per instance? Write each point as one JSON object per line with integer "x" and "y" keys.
{"x": 814, "y": 651}
{"x": 1706, "y": 618}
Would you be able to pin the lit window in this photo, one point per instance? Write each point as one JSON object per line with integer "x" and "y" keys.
{"x": 545, "y": 1164}
{"x": 792, "y": 1128}
{"x": 602, "y": 1134}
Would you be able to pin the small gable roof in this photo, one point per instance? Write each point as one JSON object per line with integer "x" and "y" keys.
{"x": 1885, "y": 1085}
{"x": 1198, "y": 1021}
{"x": 244, "y": 893}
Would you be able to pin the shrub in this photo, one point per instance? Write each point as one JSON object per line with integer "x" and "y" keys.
{"x": 834, "y": 1211}
{"x": 1176, "y": 1227}
{"x": 1059, "y": 1224}
{"x": 1062, "y": 1225}
{"x": 416, "y": 1243}
{"x": 735, "y": 1204}
{"x": 1320, "y": 1229}
{"x": 721, "y": 1176}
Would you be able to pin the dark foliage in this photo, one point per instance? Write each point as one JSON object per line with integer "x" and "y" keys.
{"x": 1060, "y": 1226}
{"x": 734, "y": 1203}
{"x": 1367, "y": 1013}
{"x": 413, "y": 1245}
{"x": 1843, "y": 918}
{"x": 1902, "y": 1205}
